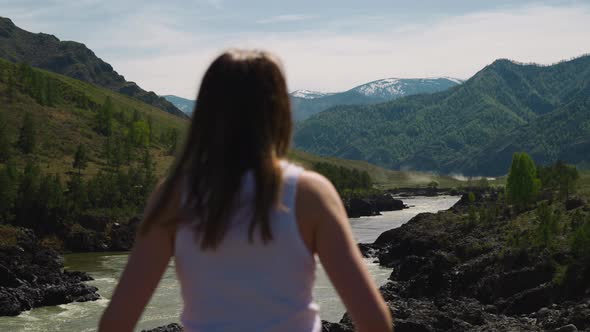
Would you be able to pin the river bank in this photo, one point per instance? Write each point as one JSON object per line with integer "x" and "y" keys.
{"x": 32, "y": 276}
{"x": 165, "y": 306}
{"x": 452, "y": 271}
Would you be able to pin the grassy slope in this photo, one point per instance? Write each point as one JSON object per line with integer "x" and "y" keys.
{"x": 60, "y": 129}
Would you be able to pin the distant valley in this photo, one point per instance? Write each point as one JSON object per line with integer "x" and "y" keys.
{"x": 183, "y": 104}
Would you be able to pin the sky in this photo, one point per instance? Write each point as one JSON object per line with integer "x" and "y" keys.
{"x": 325, "y": 45}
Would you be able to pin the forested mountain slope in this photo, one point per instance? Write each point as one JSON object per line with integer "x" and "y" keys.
{"x": 72, "y": 59}
{"x": 457, "y": 130}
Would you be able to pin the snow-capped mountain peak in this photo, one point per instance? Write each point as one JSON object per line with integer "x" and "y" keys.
{"x": 308, "y": 94}
{"x": 391, "y": 88}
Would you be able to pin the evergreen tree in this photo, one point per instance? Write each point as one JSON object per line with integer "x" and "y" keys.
{"x": 50, "y": 204}
{"x": 27, "y": 194}
{"x": 26, "y": 138}
{"x": 151, "y": 128}
{"x": 547, "y": 224}
{"x": 136, "y": 116}
{"x": 104, "y": 118}
{"x": 80, "y": 159}
{"x": 522, "y": 184}
{"x": 7, "y": 195}
{"x": 172, "y": 141}
{"x": 560, "y": 177}
{"x": 140, "y": 134}
{"x": 149, "y": 174}
{"x": 5, "y": 149}
{"x": 77, "y": 193}
{"x": 11, "y": 87}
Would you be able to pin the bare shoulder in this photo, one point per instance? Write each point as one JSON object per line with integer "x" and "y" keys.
{"x": 312, "y": 185}
{"x": 316, "y": 195}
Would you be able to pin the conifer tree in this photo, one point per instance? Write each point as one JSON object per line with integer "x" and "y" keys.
{"x": 26, "y": 138}
{"x": 11, "y": 87}
{"x": 5, "y": 148}
{"x": 522, "y": 184}
{"x": 77, "y": 193}
{"x": 104, "y": 118}
{"x": 151, "y": 128}
{"x": 7, "y": 195}
{"x": 80, "y": 159}
{"x": 27, "y": 195}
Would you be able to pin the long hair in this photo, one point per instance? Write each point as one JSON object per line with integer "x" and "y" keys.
{"x": 241, "y": 122}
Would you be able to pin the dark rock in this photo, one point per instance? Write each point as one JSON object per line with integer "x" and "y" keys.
{"x": 95, "y": 223}
{"x": 449, "y": 277}
{"x": 167, "y": 328}
{"x": 335, "y": 327}
{"x": 31, "y": 276}
{"x": 80, "y": 239}
{"x": 567, "y": 328}
{"x": 573, "y": 203}
{"x": 388, "y": 203}
{"x": 358, "y": 207}
{"x": 529, "y": 300}
{"x": 123, "y": 235}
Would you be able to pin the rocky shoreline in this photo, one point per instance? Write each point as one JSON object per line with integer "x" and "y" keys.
{"x": 372, "y": 205}
{"x": 448, "y": 275}
{"x": 33, "y": 276}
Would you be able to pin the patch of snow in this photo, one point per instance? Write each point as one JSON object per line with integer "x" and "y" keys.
{"x": 309, "y": 94}
{"x": 385, "y": 87}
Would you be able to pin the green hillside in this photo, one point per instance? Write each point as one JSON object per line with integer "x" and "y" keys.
{"x": 71, "y": 120}
{"x": 71, "y": 59}
{"x": 445, "y": 131}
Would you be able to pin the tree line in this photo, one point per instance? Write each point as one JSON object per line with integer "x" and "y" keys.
{"x": 344, "y": 179}
{"x": 48, "y": 203}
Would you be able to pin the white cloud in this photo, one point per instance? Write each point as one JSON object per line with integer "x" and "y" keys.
{"x": 151, "y": 46}
{"x": 329, "y": 61}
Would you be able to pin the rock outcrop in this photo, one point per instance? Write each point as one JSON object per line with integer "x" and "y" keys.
{"x": 33, "y": 276}
{"x": 451, "y": 275}
{"x": 167, "y": 328}
{"x": 371, "y": 205}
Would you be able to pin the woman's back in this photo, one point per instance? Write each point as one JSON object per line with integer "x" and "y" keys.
{"x": 240, "y": 130}
{"x": 244, "y": 286}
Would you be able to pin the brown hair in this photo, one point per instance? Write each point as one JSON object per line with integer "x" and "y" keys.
{"x": 241, "y": 121}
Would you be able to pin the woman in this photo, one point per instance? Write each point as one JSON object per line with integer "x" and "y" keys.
{"x": 244, "y": 225}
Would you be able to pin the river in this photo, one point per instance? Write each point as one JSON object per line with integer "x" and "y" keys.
{"x": 166, "y": 304}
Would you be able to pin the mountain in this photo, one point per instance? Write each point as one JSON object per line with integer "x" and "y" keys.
{"x": 71, "y": 59}
{"x": 183, "y": 104}
{"x": 472, "y": 128}
{"x": 306, "y": 103}
{"x": 308, "y": 94}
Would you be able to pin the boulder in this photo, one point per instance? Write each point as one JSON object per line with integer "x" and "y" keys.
{"x": 32, "y": 276}
{"x": 167, "y": 328}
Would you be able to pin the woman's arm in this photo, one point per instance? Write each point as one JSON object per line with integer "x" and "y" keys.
{"x": 339, "y": 253}
{"x": 147, "y": 262}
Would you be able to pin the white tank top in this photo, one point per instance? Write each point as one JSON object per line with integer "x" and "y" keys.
{"x": 243, "y": 286}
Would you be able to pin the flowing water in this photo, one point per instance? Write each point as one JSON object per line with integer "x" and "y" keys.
{"x": 166, "y": 304}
